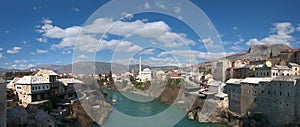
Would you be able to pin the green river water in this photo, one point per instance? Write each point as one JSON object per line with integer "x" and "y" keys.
{"x": 130, "y": 113}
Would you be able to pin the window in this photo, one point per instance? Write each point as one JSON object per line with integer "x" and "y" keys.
{"x": 269, "y": 92}
{"x": 274, "y": 92}
{"x": 287, "y": 104}
{"x": 43, "y": 87}
{"x": 280, "y": 93}
{"x": 39, "y": 87}
{"x": 288, "y": 94}
{"x": 267, "y": 73}
{"x": 273, "y": 73}
{"x": 262, "y": 91}
{"x": 279, "y": 84}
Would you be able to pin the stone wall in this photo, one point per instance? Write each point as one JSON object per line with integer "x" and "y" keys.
{"x": 277, "y": 100}
{"x": 297, "y": 101}
{"x": 2, "y": 103}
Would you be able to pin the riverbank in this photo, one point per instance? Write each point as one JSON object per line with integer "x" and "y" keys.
{"x": 172, "y": 95}
{"x": 132, "y": 113}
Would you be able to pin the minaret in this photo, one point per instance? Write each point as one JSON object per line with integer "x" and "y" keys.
{"x": 140, "y": 66}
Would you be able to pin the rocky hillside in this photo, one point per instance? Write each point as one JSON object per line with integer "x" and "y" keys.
{"x": 258, "y": 51}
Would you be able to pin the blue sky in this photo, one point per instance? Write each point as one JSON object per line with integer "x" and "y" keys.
{"x": 26, "y": 38}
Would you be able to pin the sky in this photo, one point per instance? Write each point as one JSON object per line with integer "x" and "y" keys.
{"x": 36, "y": 32}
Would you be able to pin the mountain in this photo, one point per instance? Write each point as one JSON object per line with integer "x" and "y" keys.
{"x": 260, "y": 51}
{"x": 135, "y": 67}
{"x": 83, "y": 68}
{"x": 95, "y": 68}
{"x": 7, "y": 70}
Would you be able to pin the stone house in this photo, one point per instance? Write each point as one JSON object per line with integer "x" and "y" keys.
{"x": 51, "y": 76}
{"x": 275, "y": 97}
{"x": 67, "y": 88}
{"x": 31, "y": 89}
{"x": 295, "y": 68}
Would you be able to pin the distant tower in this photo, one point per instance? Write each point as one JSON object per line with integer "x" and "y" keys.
{"x": 140, "y": 66}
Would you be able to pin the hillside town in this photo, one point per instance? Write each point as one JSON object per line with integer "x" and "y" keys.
{"x": 251, "y": 92}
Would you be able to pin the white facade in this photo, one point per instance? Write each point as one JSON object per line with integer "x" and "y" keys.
{"x": 161, "y": 75}
{"x": 32, "y": 88}
{"x": 144, "y": 75}
{"x": 277, "y": 70}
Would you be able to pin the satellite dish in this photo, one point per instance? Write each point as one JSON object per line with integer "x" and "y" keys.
{"x": 268, "y": 63}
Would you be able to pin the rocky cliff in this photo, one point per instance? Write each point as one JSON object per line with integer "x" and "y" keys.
{"x": 260, "y": 51}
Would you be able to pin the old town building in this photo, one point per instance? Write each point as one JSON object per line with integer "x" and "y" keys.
{"x": 31, "y": 89}
{"x": 275, "y": 97}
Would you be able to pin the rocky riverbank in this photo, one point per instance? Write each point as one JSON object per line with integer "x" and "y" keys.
{"x": 170, "y": 94}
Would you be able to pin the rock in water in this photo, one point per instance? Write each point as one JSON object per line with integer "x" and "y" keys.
{"x": 190, "y": 116}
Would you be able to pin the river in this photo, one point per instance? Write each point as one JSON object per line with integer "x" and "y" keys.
{"x": 130, "y": 113}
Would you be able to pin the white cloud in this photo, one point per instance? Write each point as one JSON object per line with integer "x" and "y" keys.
{"x": 237, "y": 48}
{"x": 1, "y": 55}
{"x": 88, "y": 41}
{"x": 148, "y": 51}
{"x": 147, "y": 5}
{"x": 161, "y": 5}
{"x": 20, "y": 61}
{"x": 43, "y": 40}
{"x": 40, "y": 51}
{"x": 193, "y": 54}
{"x": 82, "y": 56}
{"x": 298, "y": 28}
{"x": 37, "y": 7}
{"x": 154, "y": 61}
{"x": 126, "y": 15}
{"x": 119, "y": 46}
{"x": 282, "y": 35}
{"x": 66, "y": 52}
{"x": 46, "y": 21}
{"x": 1, "y": 49}
{"x": 163, "y": 54}
{"x": 209, "y": 43}
{"x": 227, "y": 42}
{"x": 76, "y": 9}
{"x": 239, "y": 41}
{"x": 180, "y": 17}
{"x": 177, "y": 9}
{"x": 235, "y": 28}
{"x": 21, "y": 66}
{"x": 14, "y": 50}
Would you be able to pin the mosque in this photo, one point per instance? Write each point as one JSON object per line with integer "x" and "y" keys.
{"x": 144, "y": 75}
